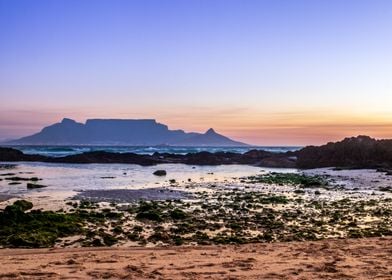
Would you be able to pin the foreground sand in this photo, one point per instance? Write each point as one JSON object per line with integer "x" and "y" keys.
{"x": 369, "y": 258}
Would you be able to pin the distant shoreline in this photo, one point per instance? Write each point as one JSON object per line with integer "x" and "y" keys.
{"x": 355, "y": 152}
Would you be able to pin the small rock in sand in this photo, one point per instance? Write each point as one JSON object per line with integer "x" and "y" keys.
{"x": 35, "y": 186}
{"x": 160, "y": 173}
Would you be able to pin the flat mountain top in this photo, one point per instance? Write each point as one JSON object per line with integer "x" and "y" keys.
{"x": 143, "y": 132}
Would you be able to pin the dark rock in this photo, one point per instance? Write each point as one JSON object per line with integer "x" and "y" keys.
{"x": 278, "y": 162}
{"x": 254, "y": 157}
{"x": 203, "y": 158}
{"x": 34, "y": 179}
{"x": 35, "y": 186}
{"x": 160, "y": 173}
{"x": 355, "y": 152}
{"x": 9, "y": 154}
{"x": 268, "y": 159}
{"x": 106, "y": 157}
{"x": 387, "y": 171}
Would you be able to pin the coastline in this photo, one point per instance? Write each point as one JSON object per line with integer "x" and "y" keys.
{"x": 359, "y": 152}
{"x": 258, "y": 222}
{"x": 252, "y": 206}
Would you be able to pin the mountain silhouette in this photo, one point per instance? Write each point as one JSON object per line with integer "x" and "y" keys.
{"x": 133, "y": 132}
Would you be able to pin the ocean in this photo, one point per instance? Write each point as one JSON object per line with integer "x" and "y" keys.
{"x": 60, "y": 151}
{"x": 64, "y": 180}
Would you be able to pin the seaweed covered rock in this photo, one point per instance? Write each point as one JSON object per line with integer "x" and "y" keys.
{"x": 19, "y": 206}
{"x": 35, "y": 228}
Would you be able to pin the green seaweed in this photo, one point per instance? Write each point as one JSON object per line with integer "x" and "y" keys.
{"x": 293, "y": 179}
{"x": 35, "y": 228}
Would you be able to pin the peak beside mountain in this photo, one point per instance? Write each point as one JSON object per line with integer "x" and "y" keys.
{"x": 68, "y": 121}
{"x": 133, "y": 132}
{"x": 210, "y": 131}
{"x": 210, "y": 138}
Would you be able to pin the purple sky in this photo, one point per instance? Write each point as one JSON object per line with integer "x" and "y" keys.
{"x": 273, "y": 72}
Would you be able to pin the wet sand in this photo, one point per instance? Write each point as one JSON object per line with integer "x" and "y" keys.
{"x": 124, "y": 195}
{"x": 5, "y": 197}
{"x": 368, "y": 258}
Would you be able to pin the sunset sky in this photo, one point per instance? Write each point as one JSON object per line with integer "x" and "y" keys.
{"x": 278, "y": 72}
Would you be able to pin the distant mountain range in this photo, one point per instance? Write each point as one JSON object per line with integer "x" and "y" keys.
{"x": 145, "y": 132}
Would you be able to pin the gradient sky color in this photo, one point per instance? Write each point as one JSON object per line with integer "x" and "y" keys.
{"x": 268, "y": 72}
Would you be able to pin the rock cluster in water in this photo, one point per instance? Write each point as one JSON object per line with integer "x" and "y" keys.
{"x": 253, "y": 157}
{"x": 355, "y": 152}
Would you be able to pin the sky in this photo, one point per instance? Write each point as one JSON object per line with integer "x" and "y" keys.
{"x": 266, "y": 72}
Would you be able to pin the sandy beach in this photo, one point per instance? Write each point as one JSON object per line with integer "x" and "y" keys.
{"x": 368, "y": 258}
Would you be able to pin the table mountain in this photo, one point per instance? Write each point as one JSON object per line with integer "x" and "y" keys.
{"x": 133, "y": 132}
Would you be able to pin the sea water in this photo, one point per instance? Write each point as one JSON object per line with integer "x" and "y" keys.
{"x": 65, "y": 180}
{"x": 60, "y": 151}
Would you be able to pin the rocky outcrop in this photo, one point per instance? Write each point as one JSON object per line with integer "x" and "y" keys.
{"x": 9, "y": 154}
{"x": 254, "y": 157}
{"x": 354, "y": 152}
{"x": 106, "y": 157}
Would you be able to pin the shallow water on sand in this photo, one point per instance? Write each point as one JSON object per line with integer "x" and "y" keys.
{"x": 64, "y": 180}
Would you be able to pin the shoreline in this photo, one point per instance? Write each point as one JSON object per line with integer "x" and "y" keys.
{"x": 262, "y": 207}
{"x": 300, "y": 207}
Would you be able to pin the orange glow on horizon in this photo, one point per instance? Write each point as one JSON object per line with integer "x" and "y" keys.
{"x": 246, "y": 125}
